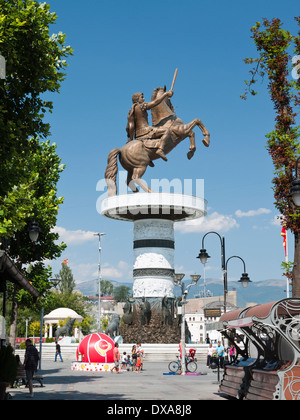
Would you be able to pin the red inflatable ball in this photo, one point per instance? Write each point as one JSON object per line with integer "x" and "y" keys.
{"x": 96, "y": 348}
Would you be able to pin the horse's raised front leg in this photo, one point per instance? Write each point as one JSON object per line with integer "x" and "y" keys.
{"x": 190, "y": 154}
{"x": 184, "y": 130}
{"x": 205, "y": 132}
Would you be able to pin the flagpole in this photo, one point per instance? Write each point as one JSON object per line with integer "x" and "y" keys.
{"x": 99, "y": 281}
{"x": 287, "y": 260}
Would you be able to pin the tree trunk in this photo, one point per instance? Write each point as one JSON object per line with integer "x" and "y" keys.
{"x": 13, "y": 320}
{"x": 296, "y": 268}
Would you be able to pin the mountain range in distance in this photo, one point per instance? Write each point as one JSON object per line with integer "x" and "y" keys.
{"x": 257, "y": 292}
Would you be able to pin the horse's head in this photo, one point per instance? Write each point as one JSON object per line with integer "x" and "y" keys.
{"x": 162, "y": 110}
{"x": 158, "y": 92}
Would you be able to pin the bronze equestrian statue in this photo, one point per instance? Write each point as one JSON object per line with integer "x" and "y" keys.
{"x": 148, "y": 143}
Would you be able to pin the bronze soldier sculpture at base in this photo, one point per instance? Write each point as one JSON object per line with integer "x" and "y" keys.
{"x": 149, "y": 322}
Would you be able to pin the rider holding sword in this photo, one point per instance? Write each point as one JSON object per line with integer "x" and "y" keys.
{"x": 138, "y": 125}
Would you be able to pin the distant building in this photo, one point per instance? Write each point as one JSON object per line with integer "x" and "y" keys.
{"x": 107, "y": 306}
{"x": 200, "y": 312}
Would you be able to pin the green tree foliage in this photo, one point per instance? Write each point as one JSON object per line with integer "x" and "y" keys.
{"x": 121, "y": 293}
{"x": 30, "y": 168}
{"x": 106, "y": 288}
{"x": 275, "y": 45}
{"x": 67, "y": 282}
{"x": 33, "y": 198}
{"x": 35, "y": 65}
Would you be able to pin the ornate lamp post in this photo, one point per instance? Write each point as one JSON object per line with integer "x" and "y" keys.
{"x": 177, "y": 279}
{"x": 203, "y": 256}
{"x": 244, "y": 280}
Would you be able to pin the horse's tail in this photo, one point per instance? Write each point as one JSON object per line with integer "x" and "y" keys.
{"x": 111, "y": 172}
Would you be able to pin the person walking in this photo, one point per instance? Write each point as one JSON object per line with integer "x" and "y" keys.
{"x": 30, "y": 364}
{"x": 58, "y": 353}
{"x": 116, "y": 354}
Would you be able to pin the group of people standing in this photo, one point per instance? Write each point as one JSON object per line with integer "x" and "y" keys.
{"x": 217, "y": 354}
{"x": 131, "y": 362}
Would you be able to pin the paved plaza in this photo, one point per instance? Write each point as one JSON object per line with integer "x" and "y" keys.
{"x": 61, "y": 383}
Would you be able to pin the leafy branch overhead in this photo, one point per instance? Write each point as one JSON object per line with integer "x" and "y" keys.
{"x": 275, "y": 46}
{"x": 35, "y": 64}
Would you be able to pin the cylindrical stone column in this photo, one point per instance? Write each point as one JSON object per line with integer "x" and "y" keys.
{"x": 153, "y": 215}
{"x": 153, "y": 265}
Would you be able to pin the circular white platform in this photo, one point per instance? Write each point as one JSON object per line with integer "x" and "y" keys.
{"x": 131, "y": 207}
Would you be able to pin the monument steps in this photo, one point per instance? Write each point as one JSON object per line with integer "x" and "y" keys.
{"x": 153, "y": 352}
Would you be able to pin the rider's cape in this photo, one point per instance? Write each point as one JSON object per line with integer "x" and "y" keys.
{"x": 130, "y": 128}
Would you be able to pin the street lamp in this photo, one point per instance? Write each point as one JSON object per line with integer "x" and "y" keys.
{"x": 55, "y": 282}
{"x": 99, "y": 280}
{"x": 177, "y": 279}
{"x": 195, "y": 278}
{"x": 244, "y": 280}
{"x": 295, "y": 188}
{"x": 203, "y": 256}
{"x": 34, "y": 231}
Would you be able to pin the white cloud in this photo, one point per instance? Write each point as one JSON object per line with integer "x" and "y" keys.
{"x": 88, "y": 272}
{"x": 111, "y": 272}
{"x": 123, "y": 265}
{"x": 277, "y": 220}
{"x": 250, "y": 213}
{"x": 214, "y": 221}
{"x": 84, "y": 270}
{"x": 122, "y": 270}
{"x": 74, "y": 237}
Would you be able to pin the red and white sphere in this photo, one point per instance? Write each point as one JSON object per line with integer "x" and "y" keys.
{"x": 96, "y": 348}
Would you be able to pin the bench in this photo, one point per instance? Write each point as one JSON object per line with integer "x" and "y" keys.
{"x": 262, "y": 385}
{"x": 236, "y": 377}
{"x": 269, "y": 335}
{"x": 38, "y": 378}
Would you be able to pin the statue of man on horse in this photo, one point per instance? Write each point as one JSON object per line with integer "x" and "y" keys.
{"x": 147, "y": 143}
{"x": 138, "y": 126}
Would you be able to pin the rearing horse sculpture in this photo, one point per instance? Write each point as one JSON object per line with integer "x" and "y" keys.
{"x": 136, "y": 155}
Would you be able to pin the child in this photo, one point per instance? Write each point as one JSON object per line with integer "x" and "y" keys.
{"x": 139, "y": 363}
{"x": 129, "y": 362}
{"x": 124, "y": 361}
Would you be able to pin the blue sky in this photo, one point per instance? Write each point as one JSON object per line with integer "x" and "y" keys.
{"x": 124, "y": 47}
